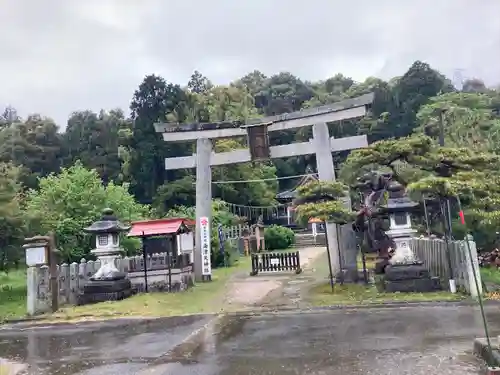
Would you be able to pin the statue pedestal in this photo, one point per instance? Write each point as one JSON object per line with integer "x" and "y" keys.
{"x": 408, "y": 278}
{"x": 105, "y": 290}
{"x": 108, "y": 283}
{"x": 403, "y": 272}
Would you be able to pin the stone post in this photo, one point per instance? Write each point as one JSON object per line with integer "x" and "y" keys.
{"x": 473, "y": 267}
{"x": 203, "y": 198}
{"x": 32, "y": 291}
{"x": 40, "y": 251}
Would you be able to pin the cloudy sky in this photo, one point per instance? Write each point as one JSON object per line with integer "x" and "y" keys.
{"x": 58, "y": 56}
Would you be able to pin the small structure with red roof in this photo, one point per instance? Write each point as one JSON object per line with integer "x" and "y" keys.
{"x": 177, "y": 232}
{"x": 172, "y": 236}
{"x": 160, "y": 227}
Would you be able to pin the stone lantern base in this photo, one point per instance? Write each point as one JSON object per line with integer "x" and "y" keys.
{"x": 403, "y": 272}
{"x": 105, "y": 290}
{"x": 108, "y": 284}
{"x": 407, "y": 278}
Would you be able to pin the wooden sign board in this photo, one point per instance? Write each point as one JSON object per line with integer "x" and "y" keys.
{"x": 37, "y": 256}
{"x": 258, "y": 142}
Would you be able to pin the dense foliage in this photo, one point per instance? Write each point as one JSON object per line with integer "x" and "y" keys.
{"x": 278, "y": 237}
{"x": 324, "y": 201}
{"x": 466, "y": 177}
{"x": 121, "y": 157}
{"x": 72, "y": 200}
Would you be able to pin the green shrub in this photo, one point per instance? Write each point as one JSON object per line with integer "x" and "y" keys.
{"x": 231, "y": 254}
{"x": 278, "y": 237}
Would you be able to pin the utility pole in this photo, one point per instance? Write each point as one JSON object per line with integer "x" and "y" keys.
{"x": 446, "y": 213}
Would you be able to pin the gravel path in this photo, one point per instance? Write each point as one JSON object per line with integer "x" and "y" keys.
{"x": 247, "y": 292}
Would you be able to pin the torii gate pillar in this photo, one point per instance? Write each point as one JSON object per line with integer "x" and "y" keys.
{"x": 326, "y": 172}
{"x": 203, "y": 201}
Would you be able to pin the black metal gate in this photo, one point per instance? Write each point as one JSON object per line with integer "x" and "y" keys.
{"x": 275, "y": 262}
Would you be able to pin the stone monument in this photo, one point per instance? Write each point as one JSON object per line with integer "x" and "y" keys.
{"x": 403, "y": 272}
{"x": 108, "y": 283}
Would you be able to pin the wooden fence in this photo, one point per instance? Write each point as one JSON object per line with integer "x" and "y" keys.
{"x": 238, "y": 231}
{"x": 275, "y": 262}
{"x": 433, "y": 252}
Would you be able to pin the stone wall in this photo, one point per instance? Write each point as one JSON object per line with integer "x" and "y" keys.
{"x": 72, "y": 277}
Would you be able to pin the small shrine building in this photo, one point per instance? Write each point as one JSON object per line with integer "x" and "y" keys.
{"x": 286, "y": 216}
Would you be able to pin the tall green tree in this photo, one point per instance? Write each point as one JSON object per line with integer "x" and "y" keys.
{"x": 198, "y": 83}
{"x": 468, "y": 120}
{"x": 152, "y": 102}
{"x": 283, "y": 93}
{"x": 96, "y": 140}
{"x": 413, "y": 90}
{"x": 72, "y": 200}
{"x": 12, "y": 224}
{"x": 8, "y": 117}
{"x": 33, "y": 145}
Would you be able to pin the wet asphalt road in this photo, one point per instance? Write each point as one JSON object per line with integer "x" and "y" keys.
{"x": 411, "y": 340}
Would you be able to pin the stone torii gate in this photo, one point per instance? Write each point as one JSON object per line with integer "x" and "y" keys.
{"x": 259, "y": 149}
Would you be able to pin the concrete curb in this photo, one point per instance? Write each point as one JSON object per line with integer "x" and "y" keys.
{"x": 97, "y": 323}
{"x": 21, "y": 320}
{"x": 118, "y": 319}
{"x": 385, "y": 305}
{"x": 492, "y": 359}
{"x": 42, "y": 318}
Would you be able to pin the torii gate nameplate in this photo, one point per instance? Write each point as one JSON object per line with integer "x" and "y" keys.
{"x": 258, "y": 141}
{"x": 321, "y": 144}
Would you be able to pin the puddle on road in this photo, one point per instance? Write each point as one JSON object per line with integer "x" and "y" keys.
{"x": 65, "y": 351}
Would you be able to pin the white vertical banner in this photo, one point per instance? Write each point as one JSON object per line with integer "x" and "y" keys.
{"x": 205, "y": 246}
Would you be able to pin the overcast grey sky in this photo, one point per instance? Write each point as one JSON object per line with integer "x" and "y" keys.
{"x": 58, "y": 56}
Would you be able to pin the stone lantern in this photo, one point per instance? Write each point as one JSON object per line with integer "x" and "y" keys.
{"x": 399, "y": 207}
{"x": 404, "y": 273}
{"x": 108, "y": 283}
{"x": 107, "y": 241}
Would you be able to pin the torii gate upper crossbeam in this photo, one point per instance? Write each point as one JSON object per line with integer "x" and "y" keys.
{"x": 346, "y": 109}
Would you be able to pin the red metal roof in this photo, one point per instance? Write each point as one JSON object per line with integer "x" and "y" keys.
{"x": 190, "y": 222}
{"x": 157, "y": 227}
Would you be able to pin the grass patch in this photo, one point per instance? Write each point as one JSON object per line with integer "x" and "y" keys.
{"x": 370, "y": 261}
{"x": 357, "y": 294}
{"x": 490, "y": 275}
{"x": 12, "y": 294}
{"x": 203, "y": 298}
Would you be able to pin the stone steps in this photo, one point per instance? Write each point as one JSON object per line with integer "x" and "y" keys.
{"x": 308, "y": 240}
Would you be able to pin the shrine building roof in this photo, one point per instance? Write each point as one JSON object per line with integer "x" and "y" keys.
{"x": 160, "y": 227}
{"x": 292, "y": 193}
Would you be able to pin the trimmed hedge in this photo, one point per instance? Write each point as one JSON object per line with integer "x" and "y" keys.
{"x": 278, "y": 237}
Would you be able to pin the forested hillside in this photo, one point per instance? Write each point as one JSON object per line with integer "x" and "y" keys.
{"x": 58, "y": 176}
